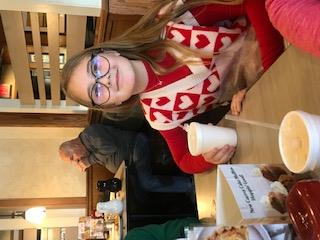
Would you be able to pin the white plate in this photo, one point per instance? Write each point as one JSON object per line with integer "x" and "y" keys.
{"x": 256, "y": 232}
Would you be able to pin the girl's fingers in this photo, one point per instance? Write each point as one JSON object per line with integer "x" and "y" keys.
{"x": 214, "y": 156}
{"x": 234, "y": 106}
{"x": 236, "y": 103}
{"x": 210, "y": 155}
{"x": 226, "y": 156}
{"x": 221, "y": 153}
{"x": 231, "y": 153}
{"x": 238, "y": 106}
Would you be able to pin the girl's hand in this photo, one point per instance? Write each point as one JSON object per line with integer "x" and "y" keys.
{"x": 236, "y": 103}
{"x": 219, "y": 155}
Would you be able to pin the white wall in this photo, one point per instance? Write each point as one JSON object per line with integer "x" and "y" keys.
{"x": 55, "y": 218}
{"x": 30, "y": 166}
{"x": 75, "y": 7}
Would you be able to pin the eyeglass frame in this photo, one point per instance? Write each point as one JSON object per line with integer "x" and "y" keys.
{"x": 96, "y": 78}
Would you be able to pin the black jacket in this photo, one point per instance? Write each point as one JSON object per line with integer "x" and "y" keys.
{"x": 108, "y": 145}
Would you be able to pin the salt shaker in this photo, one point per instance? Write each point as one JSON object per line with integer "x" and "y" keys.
{"x": 113, "y": 206}
{"x": 112, "y": 185}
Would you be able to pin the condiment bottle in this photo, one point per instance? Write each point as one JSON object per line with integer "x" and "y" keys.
{"x": 303, "y": 205}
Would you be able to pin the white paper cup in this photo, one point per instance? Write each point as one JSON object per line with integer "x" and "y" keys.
{"x": 299, "y": 141}
{"x": 203, "y": 137}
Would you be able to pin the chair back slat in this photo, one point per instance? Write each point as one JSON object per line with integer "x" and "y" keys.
{"x": 16, "y": 42}
{"x": 38, "y": 56}
{"x": 53, "y": 43}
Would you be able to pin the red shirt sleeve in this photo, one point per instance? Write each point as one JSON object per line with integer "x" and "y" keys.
{"x": 210, "y": 14}
{"x": 177, "y": 141}
{"x": 270, "y": 41}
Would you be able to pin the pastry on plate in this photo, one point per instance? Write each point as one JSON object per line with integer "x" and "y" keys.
{"x": 230, "y": 233}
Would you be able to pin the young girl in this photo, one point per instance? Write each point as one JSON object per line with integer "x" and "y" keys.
{"x": 179, "y": 63}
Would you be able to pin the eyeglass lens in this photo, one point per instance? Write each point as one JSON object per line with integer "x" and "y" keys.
{"x": 100, "y": 67}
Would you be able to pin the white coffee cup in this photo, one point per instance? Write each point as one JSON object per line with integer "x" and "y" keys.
{"x": 299, "y": 141}
{"x": 204, "y": 137}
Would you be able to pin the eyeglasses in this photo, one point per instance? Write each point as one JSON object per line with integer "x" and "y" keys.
{"x": 99, "y": 67}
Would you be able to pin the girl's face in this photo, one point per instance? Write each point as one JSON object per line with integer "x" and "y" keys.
{"x": 102, "y": 80}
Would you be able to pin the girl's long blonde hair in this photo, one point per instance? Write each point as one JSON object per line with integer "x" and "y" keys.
{"x": 137, "y": 41}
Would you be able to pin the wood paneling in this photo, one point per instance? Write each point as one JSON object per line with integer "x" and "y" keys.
{"x": 29, "y": 234}
{"x": 101, "y": 22}
{"x": 3, "y": 42}
{"x": 94, "y": 174}
{"x": 94, "y": 116}
{"x": 42, "y": 120}
{"x": 54, "y": 203}
{"x": 117, "y": 24}
{"x": 131, "y": 7}
{"x": 16, "y": 235}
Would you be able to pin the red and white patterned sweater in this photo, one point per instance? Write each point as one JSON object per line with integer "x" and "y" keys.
{"x": 170, "y": 100}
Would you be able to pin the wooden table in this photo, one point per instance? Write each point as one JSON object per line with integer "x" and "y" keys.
{"x": 291, "y": 83}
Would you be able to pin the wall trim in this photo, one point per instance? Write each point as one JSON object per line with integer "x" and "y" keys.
{"x": 54, "y": 203}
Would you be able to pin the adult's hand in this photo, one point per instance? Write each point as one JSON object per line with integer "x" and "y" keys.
{"x": 219, "y": 155}
{"x": 236, "y": 103}
{"x": 81, "y": 164}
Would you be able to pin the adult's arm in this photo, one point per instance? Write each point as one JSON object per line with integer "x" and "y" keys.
{"x": 298, "y": 21}
{"x": 270, "y": 41}
{"x": 108, "y": 145}
{"x": 177, "y": 141}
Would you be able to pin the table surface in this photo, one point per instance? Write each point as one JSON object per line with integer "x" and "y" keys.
{"x": 291, "y": 83}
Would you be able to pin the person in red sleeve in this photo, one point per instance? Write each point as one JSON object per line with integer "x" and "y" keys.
{"x": 180, "y": 60}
